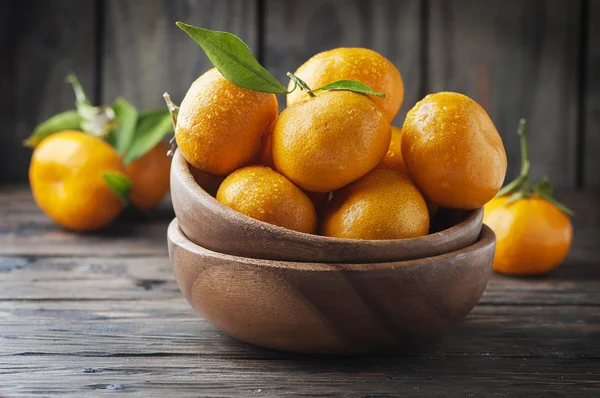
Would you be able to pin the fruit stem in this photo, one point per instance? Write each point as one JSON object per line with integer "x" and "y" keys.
{"x": 521, "y": 187}
{"x": 174, "y": 111}
{"x": 80, "y": 95}
{"x": 299, "y": 82}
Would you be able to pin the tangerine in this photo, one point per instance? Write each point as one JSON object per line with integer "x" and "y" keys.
{"x": 220, "y": 126}
{"x": 330, "y": 140}
{"x": 66, "y": 177}
{"x": 453, "y": 151}
{"x": 262, "y": 193}
{"x": 384, "y": 204}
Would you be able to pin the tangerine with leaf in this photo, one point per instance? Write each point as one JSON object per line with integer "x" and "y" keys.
{"x": 221, "y": 126}
{"x": 533, "y": 230}
{"x": 359, "y": 64}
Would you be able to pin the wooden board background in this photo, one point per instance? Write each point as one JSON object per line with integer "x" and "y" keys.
{"x": 537, "y": 59}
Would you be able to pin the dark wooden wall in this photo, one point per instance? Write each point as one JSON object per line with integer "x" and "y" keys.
{"x": 538, "y": 59}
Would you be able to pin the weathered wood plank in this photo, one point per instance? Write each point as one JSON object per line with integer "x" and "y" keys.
{"x": 297, "y": 30}
{"x": 40, "y": 42}
{"x": 169, "y": 327}
{"x": 198, "y": 376}
{"x": 26, "y": 231}
{"x": 517, "y": 59}
{"x": 145, "y": 54}
{"x": 591, "y": 93}
{"x": 133, "y": 278}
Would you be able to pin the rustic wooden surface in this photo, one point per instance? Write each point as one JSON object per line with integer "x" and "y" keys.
{"x": 83, "y": 314}
{"x": 519, "y": 58}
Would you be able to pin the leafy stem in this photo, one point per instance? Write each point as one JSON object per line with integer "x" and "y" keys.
{"x": 521, "y": 187}
{"x": 300, "y": 83}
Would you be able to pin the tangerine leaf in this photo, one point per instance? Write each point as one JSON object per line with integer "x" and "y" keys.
{"x": 119, "y": 184}
{"x": 127, "y": 118}
{"x": 350, "y": 85}
{"x": 152, "y": 127}
{"x": 234, "y": 60}
{"x": 68, "y": 120}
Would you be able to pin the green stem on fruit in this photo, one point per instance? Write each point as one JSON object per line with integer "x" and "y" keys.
{"x": 521, "y": 187}
{"x": 299, "y": 82}
{"x": 80, "y": 95}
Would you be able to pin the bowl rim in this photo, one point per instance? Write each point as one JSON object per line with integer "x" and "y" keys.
{"x": 182, "y": 167}
{"x": 176, "y": 237}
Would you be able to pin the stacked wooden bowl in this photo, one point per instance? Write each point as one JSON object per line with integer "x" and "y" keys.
{"x": 291, "y": 291}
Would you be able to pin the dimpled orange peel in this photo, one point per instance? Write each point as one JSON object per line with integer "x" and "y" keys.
{"x": 383, "y": 204}
{"x": 330, "y": 140}
{"x": 262, "y": 193}
{"x": 220, "y": 126}
{"x": 453, "y": 151}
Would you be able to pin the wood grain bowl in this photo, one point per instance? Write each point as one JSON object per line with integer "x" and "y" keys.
{"x": 331, "y": 308}
{"x": 212, "y": 225}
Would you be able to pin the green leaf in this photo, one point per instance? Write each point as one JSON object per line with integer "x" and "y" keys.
{"x": 127, "y": 117}
{"x": 153, "y": 126}
{"x": 119, "y": 184}
{"x": 350, "y": 85}
{"x": 68, "y": 120}
{"x": 232, "y": 57}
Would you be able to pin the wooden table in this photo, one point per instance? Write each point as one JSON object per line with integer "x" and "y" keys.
{"x": 83, "y": 314}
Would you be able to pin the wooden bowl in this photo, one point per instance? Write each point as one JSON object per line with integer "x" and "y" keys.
{"x": 210, "y": 224}
{"x": 331, "y": 308}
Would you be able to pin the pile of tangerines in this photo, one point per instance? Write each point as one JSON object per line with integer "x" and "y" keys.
{"x": 331, "y": 162}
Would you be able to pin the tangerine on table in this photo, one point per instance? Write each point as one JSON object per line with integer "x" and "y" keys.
{"x": 263, "y": 194}
{"x": 66, "y": 180}
{"x": 330, "y": 140}
{"x": 383, "y": 204}
{"x": 362, "y": 64}
{"x": 220, "y": 125}
{"x": 149, "y": 175}
{"x": 532, "y": 235}
{"x": 453, "y": 151}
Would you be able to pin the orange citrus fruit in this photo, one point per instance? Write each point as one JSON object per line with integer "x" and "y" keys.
{"x": 362, "y": 64}
{"x": 532, "y": 235}
{"x": 453, "y": 151}
{"x": 149, "y": 175}
{"x": 383, "y": 204}
{"x": 393, "y": 158}
{"x": 263, "y": 194}
{"x": 66, "y": 180}
{"x": 220, "y": 125}
{"x": 330, "y": 140}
